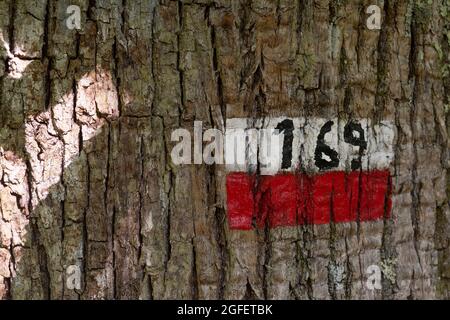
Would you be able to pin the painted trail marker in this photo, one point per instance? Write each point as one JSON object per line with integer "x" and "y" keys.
{"x": 318, "y": 171}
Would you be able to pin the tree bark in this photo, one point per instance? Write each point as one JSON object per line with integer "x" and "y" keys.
{"x": 86, "y": 118}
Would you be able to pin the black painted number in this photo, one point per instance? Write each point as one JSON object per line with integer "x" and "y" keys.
{"x": 359, "y": 140}
{"x": 323, "y": 149}
{"x": 286, "y": 127}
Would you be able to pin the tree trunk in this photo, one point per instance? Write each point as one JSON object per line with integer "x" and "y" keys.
{"x": 86, "y": 117}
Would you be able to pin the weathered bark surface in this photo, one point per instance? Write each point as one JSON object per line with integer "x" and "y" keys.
{"x": 85, "y": 124}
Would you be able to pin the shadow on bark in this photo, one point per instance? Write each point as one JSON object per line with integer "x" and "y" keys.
{"x": 72, "y": 178}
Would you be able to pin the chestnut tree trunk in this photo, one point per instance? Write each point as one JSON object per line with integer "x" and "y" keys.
{"x": 87, "y": 183}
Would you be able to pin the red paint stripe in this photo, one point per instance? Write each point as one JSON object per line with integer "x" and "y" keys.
{"x": 376, "y": 196}
{"x": 277, "y": 200}
{"x": 295, "y": 199}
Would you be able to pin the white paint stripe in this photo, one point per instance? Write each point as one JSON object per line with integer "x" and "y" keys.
{"x": 378, "y": 154}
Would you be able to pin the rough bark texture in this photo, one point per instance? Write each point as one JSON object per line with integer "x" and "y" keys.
{"x": 85, "y": 124}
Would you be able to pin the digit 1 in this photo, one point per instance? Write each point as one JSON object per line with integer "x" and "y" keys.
{"x": 287, "y": 127}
